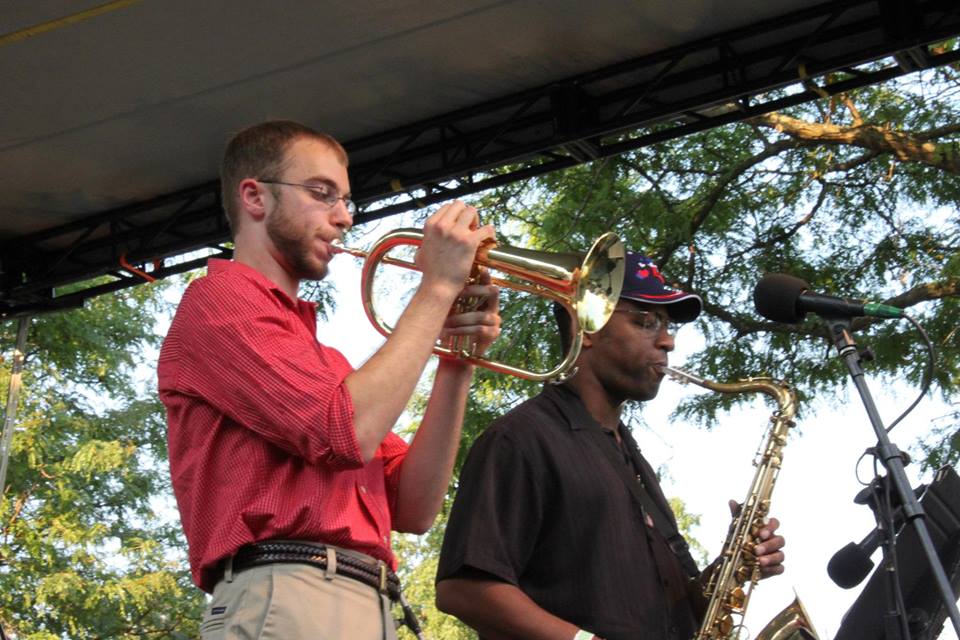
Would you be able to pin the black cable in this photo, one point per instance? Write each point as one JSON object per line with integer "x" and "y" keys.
{"x": 925, "y": 386}
{"x": 409, "y": 618}
{"x": 888, "y": 519}
{"x": 928, "y": 375}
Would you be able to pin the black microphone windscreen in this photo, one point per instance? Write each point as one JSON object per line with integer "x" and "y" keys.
{"x": 775, "y": 297}
{"x": 849, "y": 566}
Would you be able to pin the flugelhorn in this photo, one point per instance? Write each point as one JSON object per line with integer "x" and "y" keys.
{"x": 587, "y": 284}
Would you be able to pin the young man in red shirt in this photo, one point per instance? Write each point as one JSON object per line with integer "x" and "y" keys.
{"x": 287, "y": 475}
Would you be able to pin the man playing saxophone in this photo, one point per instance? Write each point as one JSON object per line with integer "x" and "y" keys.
{"x": 560, "y": 529}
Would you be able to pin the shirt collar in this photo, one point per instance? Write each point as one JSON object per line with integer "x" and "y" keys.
{"x": 219, "y": 265}
{"x": 572, "y": 407}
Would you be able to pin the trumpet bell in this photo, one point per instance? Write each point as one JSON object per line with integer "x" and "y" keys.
{"x": 589, "y": 283}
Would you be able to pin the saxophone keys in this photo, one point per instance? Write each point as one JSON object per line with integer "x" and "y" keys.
{"x": 736, "y": 599}
{"x": 725, "y": 625}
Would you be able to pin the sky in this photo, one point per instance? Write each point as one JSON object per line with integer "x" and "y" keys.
{"x": 814, "y": 492}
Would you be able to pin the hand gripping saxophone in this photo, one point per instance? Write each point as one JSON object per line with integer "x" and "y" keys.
{"x": 731, "y": 583}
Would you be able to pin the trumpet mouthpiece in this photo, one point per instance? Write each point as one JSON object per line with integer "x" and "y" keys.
{"x": 337, "y": 246}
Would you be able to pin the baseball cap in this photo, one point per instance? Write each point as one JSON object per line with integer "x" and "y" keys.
{"x": 643, "y": 282}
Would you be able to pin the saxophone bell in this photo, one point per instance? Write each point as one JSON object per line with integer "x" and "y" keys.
{"x": 792, "y": 623}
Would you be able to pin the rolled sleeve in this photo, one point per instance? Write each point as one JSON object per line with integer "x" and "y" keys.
{"x": 394, "y": 452}
{"x": 255, "y": 359}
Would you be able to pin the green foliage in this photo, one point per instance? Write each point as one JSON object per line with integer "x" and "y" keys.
{"x": 942, "y": 445}
{"x": 686, "y": 522}
{"x": 418, "y": 569}
{"x": 719, "y": 209}
{"x": 88, "y": 547}
{"x": 89, "y": 543}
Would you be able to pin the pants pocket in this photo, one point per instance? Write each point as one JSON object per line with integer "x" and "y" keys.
{"x": 213, "y": 623}
{"x": 237, "y": 609}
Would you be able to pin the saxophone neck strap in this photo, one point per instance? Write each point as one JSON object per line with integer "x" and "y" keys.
{"x": 681, "y": 550}
{"x": 655, "y": 504}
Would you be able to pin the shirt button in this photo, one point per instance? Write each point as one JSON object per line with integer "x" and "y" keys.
{"x": 363, "y": 489}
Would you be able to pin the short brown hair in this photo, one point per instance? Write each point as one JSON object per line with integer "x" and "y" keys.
{"x": 260, "y": 151}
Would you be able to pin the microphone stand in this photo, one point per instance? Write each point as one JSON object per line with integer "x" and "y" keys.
{"x": 894, "y": 616}
{"x": 892, "y": 459}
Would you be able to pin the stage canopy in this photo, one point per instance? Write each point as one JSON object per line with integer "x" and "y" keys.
{"x": 113, "y": 116}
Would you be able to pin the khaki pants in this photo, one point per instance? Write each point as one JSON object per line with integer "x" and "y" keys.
{"x": 289, "y": 601}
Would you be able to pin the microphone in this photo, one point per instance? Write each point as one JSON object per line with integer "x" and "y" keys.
{"x": 785, "y": 298}
{"x": 849, "y": 566}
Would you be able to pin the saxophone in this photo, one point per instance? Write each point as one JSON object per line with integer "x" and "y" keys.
{"x": 729, "y": 587}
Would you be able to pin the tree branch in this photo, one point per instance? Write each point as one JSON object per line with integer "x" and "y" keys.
{"x": 920, "y": 293}
{"x": 744, "y": 325}
{"x": 716, "y": 191}
{"x": 907, "y": 147}
{"x": 665, "y": 200}
{"x": 852, "y": 108}
{"x": 939, "y": 132}
{"x": 853, "y": 163}
{"x": 781, "y": 238}
{"x": 926, "y": 291}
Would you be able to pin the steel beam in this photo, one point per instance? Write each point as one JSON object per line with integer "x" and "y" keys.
{"x": 607, "y": 111}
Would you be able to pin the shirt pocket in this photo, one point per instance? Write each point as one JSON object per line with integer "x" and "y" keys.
{"x": 375, "y": 510}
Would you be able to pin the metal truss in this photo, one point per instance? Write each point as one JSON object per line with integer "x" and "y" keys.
{"x": 605, "y": 112}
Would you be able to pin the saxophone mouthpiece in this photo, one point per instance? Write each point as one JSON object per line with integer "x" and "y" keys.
{"x": 678, "y": 375}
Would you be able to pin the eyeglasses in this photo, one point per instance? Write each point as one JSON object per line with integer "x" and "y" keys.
{"x": 652, "y": 322}
{"x": 322, "y": 193}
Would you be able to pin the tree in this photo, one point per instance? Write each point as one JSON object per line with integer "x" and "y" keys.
{"x": 87, "y": 544}
{"x": 857, "y": 194}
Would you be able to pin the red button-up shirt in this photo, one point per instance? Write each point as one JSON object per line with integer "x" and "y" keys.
{"x": 260, "y": 427}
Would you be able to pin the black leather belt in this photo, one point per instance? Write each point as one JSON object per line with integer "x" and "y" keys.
{"x": 374, "y": 573}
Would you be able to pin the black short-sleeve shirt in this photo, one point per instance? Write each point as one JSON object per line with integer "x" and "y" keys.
{"x": 549, "y": 502}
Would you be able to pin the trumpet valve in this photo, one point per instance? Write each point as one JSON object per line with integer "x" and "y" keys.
{"x": 465, "y": 346}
